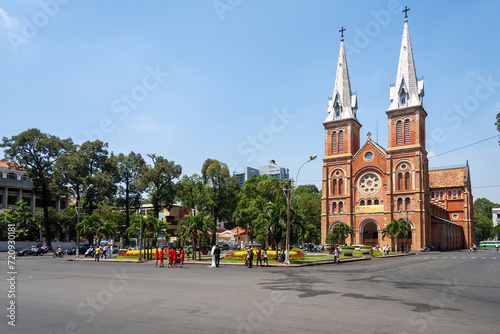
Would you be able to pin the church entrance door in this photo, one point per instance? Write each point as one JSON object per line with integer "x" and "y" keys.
{"x": 370, "y": 234}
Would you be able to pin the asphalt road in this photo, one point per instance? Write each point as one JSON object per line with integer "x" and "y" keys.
{"x": 453, "y": 292}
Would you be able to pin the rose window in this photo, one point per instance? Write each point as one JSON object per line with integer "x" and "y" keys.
{"x": 369, "y": 184}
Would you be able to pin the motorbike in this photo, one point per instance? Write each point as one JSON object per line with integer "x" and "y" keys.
{"x": 496, "y": 248}
{"x": 424, "y": 249}
{"x": 89, "y": 252}
{"x": 56, "y": 254}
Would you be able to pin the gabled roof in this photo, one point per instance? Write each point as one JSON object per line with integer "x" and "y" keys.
{"x": 374, "y": 144}
{"x": 9, "y": 165}
{"x": 446, "y": 178}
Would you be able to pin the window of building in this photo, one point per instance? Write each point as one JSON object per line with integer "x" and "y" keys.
{"x": 334, "y": 142}
{"x": 362, "y": 202}
{"x": 341, "y": 141}
{"x": 407, "y": 180}
{"x": 338, "y": 109}
{"x": 341, "y": 207}
{"x": 340, "y": 186}
{"x": 11, "y": 200}
{"x": 402, "y": 97}
{"x": 407, "y": 131}
{"x": 400, "y": 204}
{"x": 376, "y": 202}
{"x": 12, "y": 176}
{"x": 459, "y": 194}
{"x": 407, "y": 204}
{"x": 441, "y": 194}
{"x": 400, "y": 181}
{"x": 455, "y": 194}
{"x": 399, "y": 135}
{"x": 334, "y": 207}
{"x": 369, "y": 202}
{"x": 449, "y": 194}
{"x": 334, "y": 187}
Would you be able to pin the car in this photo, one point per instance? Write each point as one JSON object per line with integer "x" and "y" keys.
{"x": 24, "y": 252}
{"x": 82, "y": 249}
{"x": 225, "y": 247}
{"x": 115, "y": 249}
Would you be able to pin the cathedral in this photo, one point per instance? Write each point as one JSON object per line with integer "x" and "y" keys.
{"x": 367, "y": 186}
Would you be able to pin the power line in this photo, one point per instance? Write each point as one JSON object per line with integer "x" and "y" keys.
{"x": 494, "y": 186}
{"x": 456, "y": 149}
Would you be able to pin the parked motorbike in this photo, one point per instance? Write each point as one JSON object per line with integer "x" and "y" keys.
{"x": 90, "y": 252}
{"x": 424, "y": 249}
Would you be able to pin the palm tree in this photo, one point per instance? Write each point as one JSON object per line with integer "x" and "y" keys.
{"x": 401, "y": 230}
{"x": 194, "y": 226}
{"x": 342, "y": 231}
{"x": 390, "y": 231}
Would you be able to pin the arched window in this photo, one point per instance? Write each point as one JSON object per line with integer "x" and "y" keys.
{"x": 334, "y": 187}
{"x": 362, "y": 202}
{"x": 340, "y": 186}
{"x": 407, "y": 131}
{"x": 341, "y": 207}
{"x": 449, "y": 194}
{"x": 376, "y": 202}
{"x": 334, "y": 142}
{"x": 459, "y": 194}
{"x": 369, "y": 202}
{"x": 338, "y": 109}
{"x": 455, "y": 193}
{"x": 407, "y": 180}
{"x": 400, "y": 181}
{"x": 403, "y": 98}
{"x": 399, "y": 135}
{"x": 400, "y": 204}
{"x": 407, "y": 204}
{"x": 341, "y": 141}
{"x": 334, "y": 207}
{"x": 441, "y": 195}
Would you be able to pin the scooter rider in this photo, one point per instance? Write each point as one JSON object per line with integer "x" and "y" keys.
{"x": 496, "y": 247}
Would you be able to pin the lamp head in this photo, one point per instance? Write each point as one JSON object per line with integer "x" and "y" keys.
{"x": 272, "y": 161}
{"x": 312, "y": 157}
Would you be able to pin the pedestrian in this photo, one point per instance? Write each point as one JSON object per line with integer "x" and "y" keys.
{"x": 264, "y": 256}
{"x": 212, "y": 252}
{"x": 250, "y": 257}
{"x": 217, "y": 256}
{"x": 181, "y": 256}
{"x": 162, "y": 254}
{"x": 259, "y": 254}
{"x": 157, "y": 257}
{"x": 335, "y": 255}
{"x": 384, "y": 249}
{"x": 174, "y": 254}
{"x": 170, "y": 257}
{"x": 97, "y": 254}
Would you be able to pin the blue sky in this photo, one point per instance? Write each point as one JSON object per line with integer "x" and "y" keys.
{"x": 244, "y": 81}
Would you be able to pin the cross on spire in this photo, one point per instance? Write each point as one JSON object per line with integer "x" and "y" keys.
{"x": 341, "y": 31}
{"x": 406, "y": 12}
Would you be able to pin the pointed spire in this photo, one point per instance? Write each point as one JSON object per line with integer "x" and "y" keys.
{"x": 408, "y": 91}
{"x": 344, "y": 104}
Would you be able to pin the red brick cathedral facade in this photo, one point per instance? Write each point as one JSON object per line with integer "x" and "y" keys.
{"x": 368, "y": 186}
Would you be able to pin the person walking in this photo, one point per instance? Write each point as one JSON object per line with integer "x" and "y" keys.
{"x": 174, "y": 254}
{"x": 181, "y": 256}
{"x": 259, "y": 254}
{"x": 170, "y": 257}
{"x": 264, "y": 256}
{"x": 250, "y": 257}
{"x": 217, "y": 256}
{"x": 162, "y": 255}
{"x": 97, "y": 254}
{"x": 157, "y": 257}
{"x": 335, "y": 255}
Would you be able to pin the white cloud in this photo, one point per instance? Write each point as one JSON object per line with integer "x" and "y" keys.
{"x": 11, "y": 23}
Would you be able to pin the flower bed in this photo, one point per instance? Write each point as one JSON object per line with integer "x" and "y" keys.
{"x": 270, "y": 254}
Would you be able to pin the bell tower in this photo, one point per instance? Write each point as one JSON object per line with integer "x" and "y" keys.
{"x": 341, "y": 144}
{"x": 407, "y": 156}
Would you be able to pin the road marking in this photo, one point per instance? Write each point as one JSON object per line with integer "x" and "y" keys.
{"x": 484, "y": 257}
{"x": 494, "y": 258}
{"x": 473, "y": 257}
{"x": 454, "y": 257}
{"x": 464, "y": 257}
{"x": 445, "y": 257}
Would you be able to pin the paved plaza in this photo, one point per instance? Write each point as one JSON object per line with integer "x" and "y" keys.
{"x": 449, "y": 292}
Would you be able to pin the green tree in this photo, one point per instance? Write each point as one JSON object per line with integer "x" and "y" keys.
{"x": 191, "y": 192}
{"x": 342, "y": 231}
{"x": 129, "y": 170}
{"x": 307, "y": 208}
{"x": 401, "y": 230}
{"x": 221, "y": 190}
{"x": 484, "y": 227}
{"x": 158, "y": 181}
{"x": 390, "y": 231}
{"x": 194, "y": 227}
{"x": 483, "y": 207}
{"x": 94, "y": 224}
{"x": 22, "y": 217}
{"x": 37, "y": 152}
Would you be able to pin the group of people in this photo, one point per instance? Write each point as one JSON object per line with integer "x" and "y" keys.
{"x": 261, "y": 256}
{"x": 386, "y": 249}
{"x": 100, "y": 252}
{"x": 174, "y": 256}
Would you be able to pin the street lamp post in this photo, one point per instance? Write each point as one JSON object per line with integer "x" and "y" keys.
{"x": 78, "y": 211}
{"x": 288, "y": 195}
{"x": 140, "y": 234}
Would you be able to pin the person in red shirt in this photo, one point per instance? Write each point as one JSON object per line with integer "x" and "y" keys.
{"x": 174, "y": 253}
{"x": 170, "y": 257}
{"x": 162, "y": 253}
{"x": 181, "y": 256}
